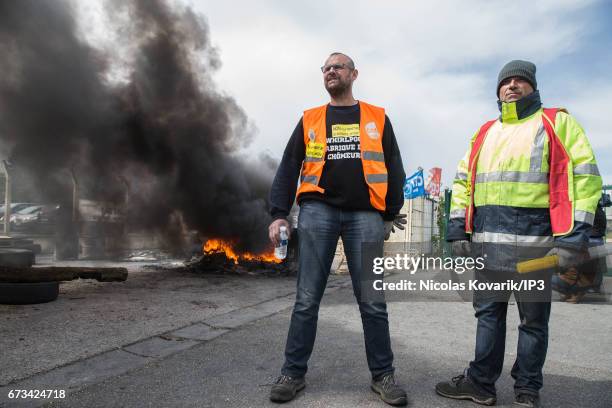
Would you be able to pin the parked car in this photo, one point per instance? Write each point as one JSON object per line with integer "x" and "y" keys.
{"x": 15, "y": 207}
{"x": 25, "y": 215}
{"x": 34, "y": 218}
{"x": 48, "y": 214}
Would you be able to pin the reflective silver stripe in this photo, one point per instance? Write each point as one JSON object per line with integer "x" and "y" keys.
{"x": 504, "y": 238}
{"x": 376, "y": 178}
{"x": 310, "y": 179}
{"x": 457, "y": 214}
{"x": 586, "y": 168}
{"x": 584, "y": 216}
{"x": 512, "y": 176}
{"x": 460, "y": 176}
{"x": 374, "y": 156}
{"x": 313, "y": 159}
{"x": 535, "y": 162}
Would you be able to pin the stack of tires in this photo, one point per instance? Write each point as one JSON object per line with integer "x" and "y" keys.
{"x": 23, "y": 293}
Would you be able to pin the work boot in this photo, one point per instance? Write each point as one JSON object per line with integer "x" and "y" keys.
{"x": 285, "y": 388}
{"x": 527, "y": 400}
{"x": 389, "y": 392}
{"x": 460, "y": 387}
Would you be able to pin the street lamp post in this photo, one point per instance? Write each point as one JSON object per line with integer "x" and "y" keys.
{"x": 7, "y": 197}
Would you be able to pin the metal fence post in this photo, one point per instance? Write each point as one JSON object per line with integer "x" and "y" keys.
{"x": 445, "y": 245}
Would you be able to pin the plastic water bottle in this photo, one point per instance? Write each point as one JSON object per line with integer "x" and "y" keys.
{"x": 280, "y": 251}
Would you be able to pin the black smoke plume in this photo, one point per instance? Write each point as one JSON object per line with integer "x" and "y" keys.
{"x": 164, "y": 127}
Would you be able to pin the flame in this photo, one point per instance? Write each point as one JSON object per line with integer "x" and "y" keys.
{"x": 218, "y": 245}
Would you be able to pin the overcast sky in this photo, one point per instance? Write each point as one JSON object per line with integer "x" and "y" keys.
{"x": 433, "y": 65}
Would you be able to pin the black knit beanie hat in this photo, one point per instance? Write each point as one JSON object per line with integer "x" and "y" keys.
{"x": 523, "y": 69}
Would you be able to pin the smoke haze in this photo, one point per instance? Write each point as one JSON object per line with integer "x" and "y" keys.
{"x": 166, "y": 129}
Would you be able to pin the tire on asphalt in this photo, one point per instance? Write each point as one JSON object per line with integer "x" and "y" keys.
{"x": 16, "y": 258}
{"x": 28, "y": 293}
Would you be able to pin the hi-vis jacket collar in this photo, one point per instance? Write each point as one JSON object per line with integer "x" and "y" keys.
{"x": 513, "y": 112}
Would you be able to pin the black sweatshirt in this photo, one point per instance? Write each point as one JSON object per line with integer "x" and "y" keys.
{"x": 342, "y": 178}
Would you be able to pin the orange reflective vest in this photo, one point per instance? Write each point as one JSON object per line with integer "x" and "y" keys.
{"x": 371, "y": 126}
{"x": 560, "y": 207}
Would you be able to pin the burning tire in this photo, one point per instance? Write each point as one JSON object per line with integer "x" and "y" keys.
{"x": 28, "y": 293}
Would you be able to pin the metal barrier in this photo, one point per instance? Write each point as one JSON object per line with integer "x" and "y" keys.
{"x": 422, "y": 233}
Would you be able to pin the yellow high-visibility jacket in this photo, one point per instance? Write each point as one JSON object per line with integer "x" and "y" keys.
{"x": 511, "y": 187}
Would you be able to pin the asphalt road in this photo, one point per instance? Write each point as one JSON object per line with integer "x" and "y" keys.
{"x": 230, "y": 357}
{"x": 432, "y": 341}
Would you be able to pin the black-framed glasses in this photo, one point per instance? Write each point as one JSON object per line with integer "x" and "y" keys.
{"x": 335, "y": 67}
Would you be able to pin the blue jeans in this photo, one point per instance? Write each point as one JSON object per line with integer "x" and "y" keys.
{"x": 491, "y": 340}
{"x": 319, "y": 227}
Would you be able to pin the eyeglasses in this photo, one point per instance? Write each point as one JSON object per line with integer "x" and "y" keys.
{"x": 335, "y": 67}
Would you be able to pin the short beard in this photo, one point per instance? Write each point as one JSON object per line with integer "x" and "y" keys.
{"x": 341, "y": 89}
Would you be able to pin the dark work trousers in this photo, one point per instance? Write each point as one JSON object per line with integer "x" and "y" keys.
{"x": 319, "y": 227}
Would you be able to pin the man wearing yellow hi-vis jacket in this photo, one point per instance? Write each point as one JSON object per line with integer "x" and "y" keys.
{"x": 528, "y": 186}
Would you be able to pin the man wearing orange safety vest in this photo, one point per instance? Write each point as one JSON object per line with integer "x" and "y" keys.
{"x": 528, "y": 186}
{"x": 351, "y": 186}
